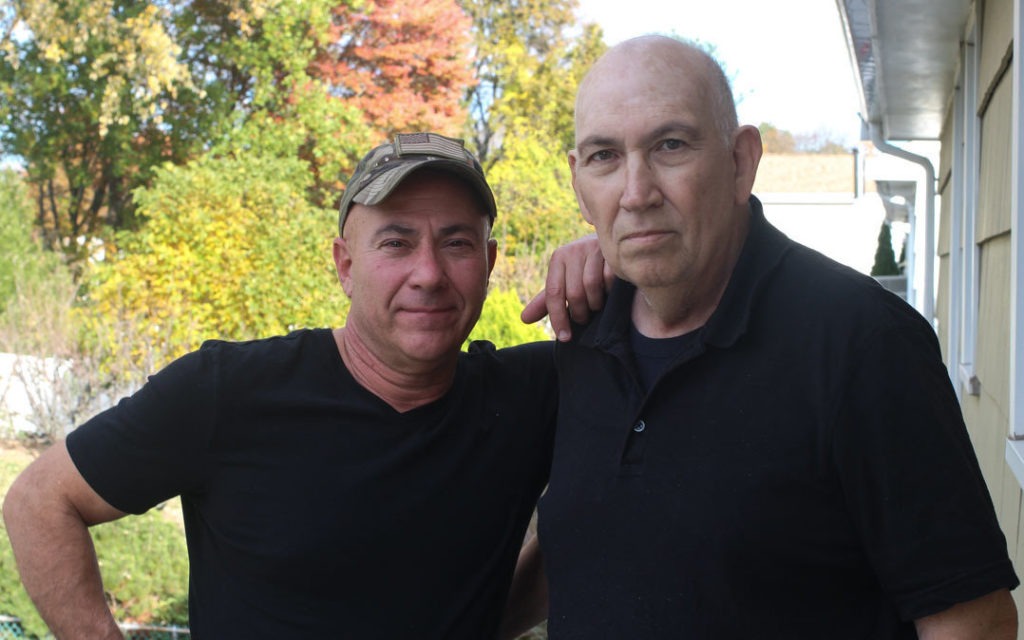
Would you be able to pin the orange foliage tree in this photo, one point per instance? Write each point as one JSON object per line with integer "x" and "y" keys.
{"x": 404, "y": 63}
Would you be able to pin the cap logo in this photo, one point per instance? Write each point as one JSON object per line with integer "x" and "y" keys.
{"x": 373, "y": 177}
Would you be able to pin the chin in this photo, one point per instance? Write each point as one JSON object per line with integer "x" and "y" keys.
{"x": 432, "y": 350}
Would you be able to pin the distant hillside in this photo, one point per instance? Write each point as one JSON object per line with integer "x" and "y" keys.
{"x": 805, "y": 173}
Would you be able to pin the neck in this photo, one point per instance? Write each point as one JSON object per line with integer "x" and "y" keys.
{"x": 681, "y": 307}
{"x": 403, "y": 387}
{"x": 667, "y": 312}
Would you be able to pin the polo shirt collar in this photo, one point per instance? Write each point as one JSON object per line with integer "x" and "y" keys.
{"x": 762, "y": 252}
{"x": 761, "y": 255}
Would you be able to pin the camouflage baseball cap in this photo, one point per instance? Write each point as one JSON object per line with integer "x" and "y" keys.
{"x": 387, "y": 165}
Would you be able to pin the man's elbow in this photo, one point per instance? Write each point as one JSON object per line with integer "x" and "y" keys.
{"x": 1005, "y": 619}
{"x": 990, "y": 617}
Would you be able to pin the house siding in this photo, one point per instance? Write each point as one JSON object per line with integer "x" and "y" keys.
{"x": 994, "y": 174}
{"x": 987, "y": 414}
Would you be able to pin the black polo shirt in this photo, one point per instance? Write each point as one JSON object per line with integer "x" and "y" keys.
{"x": 802, "y": 470}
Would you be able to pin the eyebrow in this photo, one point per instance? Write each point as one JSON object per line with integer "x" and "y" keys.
{"x": 407, "y": 232}
{"x": 674, "y": 127}
{"x": 394, "y": 229}
{"x": 599, "y": 140}
{"x": 453, "y": 229}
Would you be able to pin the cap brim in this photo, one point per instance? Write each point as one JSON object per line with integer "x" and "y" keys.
{"x": 378, "y": 189}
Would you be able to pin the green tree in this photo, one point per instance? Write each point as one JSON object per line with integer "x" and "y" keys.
{"x": 84, "y": 94}
{"x": 528, "y": 58}
{"x": 24, "y": 265}
{"x": 885, "y": 257}
{"x": 537, "y": 211}
{"x": 231, "y": 249}
{"x": 94, "y": 96}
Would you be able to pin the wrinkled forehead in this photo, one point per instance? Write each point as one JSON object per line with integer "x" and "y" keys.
{"x": 622, "y": 90}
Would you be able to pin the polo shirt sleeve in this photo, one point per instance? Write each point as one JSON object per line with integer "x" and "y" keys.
{"x": 911, "y": 479}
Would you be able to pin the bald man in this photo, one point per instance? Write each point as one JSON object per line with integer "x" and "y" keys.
{"x": 753, "y": 441}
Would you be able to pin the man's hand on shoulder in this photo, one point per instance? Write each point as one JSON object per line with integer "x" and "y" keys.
{"x": 577, "y": 281}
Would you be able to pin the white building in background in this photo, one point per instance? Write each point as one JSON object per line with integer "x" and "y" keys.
{"x": 842, "y": 227}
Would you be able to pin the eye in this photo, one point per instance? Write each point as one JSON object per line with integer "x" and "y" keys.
{"x": 672, "y": 144}
{"x": 459, "y": 243}
{"x": 603, "y": 155}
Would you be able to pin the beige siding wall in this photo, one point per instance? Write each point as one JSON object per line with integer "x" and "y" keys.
{"x": 996, "y": 40}
{"x": 994, "y": 175}
{"x": 987, "y": 414}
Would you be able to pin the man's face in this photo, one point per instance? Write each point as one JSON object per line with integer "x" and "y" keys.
{"x": 416, "y": 269}
{"x": 653, "y": 173}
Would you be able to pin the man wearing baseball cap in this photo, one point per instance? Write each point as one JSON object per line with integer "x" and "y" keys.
{"x": 371, "y": 481}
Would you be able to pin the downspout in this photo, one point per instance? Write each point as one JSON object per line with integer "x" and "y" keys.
{"x": 928, "y": 302}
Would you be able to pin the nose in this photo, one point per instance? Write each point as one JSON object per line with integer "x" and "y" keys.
{"x": 641, "y": 190}
{"x": 428, "y": 272}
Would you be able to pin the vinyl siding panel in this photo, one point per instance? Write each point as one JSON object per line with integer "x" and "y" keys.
{"x": 996, "y": 42}
{"x": 994, "y": 179}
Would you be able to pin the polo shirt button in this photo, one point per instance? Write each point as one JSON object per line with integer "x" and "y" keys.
{"x": 640, "y": 426}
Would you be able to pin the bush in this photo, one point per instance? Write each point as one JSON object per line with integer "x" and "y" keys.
{"x": 500, "y": 322}
{"x": 230, "y": 249}
{"x": 144, "y": 562}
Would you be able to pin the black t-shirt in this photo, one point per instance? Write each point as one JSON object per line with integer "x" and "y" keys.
{"x": 312, "y": 508}
{"x": 654, "y": 355}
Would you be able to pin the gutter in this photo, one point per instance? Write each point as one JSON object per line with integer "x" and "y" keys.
{"x": 927, "y": 308}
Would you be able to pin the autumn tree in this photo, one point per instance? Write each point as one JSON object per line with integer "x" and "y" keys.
{"x": 776, "y": 140}
{"x": 404, "y": 63}
{"x": 529, "y": 58}
{"x": 82, "y": 90}
{"x": 94, "y": 95}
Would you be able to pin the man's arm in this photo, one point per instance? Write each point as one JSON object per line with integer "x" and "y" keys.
{"x": 47, "y": 512}
{"x": 577, "y": 280}
{"x": 990, "y": 617}
{"x": 527, "y": 604}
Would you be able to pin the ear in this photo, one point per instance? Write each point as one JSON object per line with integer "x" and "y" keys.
{"x": 746, "y": 155}
{"x": 343, "y": 264}
{"x": 573, "y": 159}
{"x": 492, "y": 255}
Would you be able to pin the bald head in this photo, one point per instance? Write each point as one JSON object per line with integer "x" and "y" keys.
{"x": 651, "y": 60}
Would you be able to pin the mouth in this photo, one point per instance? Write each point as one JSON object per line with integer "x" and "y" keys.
{"x": 644, "y": 237}
{"x": 429, "y": 314}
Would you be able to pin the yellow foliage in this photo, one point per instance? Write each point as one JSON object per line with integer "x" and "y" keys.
{"x": 230, "y": 250}
{"x": 138, "y": 50}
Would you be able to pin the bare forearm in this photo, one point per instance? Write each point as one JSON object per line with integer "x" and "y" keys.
{"x": 527, "y": 604}
{"x": 56, "y": 559}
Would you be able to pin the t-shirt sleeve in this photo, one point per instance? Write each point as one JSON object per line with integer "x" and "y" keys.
{"x": 153, "y": 445}
{"x": 912, "y": 481}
